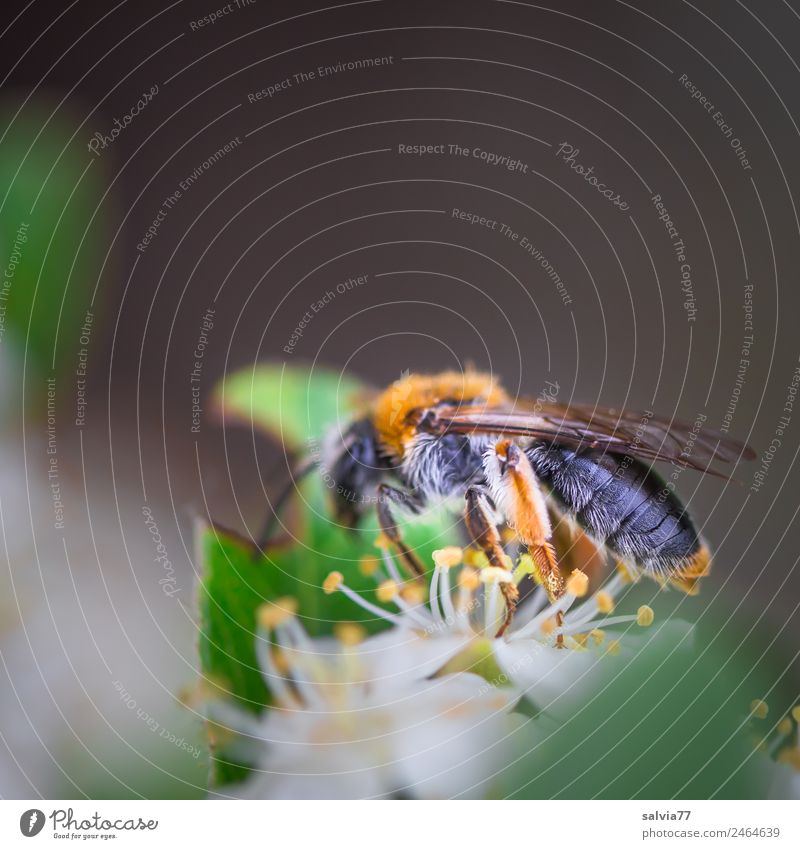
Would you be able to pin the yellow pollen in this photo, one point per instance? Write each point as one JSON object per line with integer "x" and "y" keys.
{"x": 613, "y": 648}
{"x": 759, "y": 709}
{"x": 476, "y": 558}
{"x": 598, "y": 636}
{"x": 276, "y": 613}
{"x": 413, "y": 593}
{"x": 605, "y": 603}
{"x": 578, "y": 583}
{"x": 382, "y": 541}
{"x": 494, "y": 574}
{"x": 626, "y": 573}
{"x": 796, "y": 714}
{"x": 785, "y": 726}
{"x": 387, "y": 591}
{"x": 525, "y": 565}
{"x": 332, "y": 582}
{"x": 447, "y": 557}
{"x": 349, "y": 633}
{"x": 791, "y": 757}
{"x": 548, "y": 626}
{"x": 581, "y": 639}
{"x": 368, "y": 566}
{"x": 645, "y": 616}
{"x": 469, "y": 579}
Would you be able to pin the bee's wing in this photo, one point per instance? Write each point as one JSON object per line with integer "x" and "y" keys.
{"x": 582, "y": 426}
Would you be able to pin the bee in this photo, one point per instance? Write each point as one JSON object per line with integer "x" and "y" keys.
{"x": 459, "y": 438}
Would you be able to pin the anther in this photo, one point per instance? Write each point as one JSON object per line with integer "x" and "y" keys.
{"x": 604, "y": 601}
{"x": 332, "y": 582}
{"x": 387, "y": 591}
{"x": 494, "y": 574}
{"x": 577, "y": 583}
{"x": 448, "y": 557}
{"x": 349, "y": 633}
{"x": 277, "y": 612}
{"x": 645, "y": 616}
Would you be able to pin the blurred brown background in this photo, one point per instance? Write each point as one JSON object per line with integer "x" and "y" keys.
{"x": 316, "y": 191}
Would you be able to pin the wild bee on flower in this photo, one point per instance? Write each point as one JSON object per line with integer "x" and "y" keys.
{"x": 460, "y": 439}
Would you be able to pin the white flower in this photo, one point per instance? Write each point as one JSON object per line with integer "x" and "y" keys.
{"x": 552, "y": 651}
{"x": 365, "y": 718}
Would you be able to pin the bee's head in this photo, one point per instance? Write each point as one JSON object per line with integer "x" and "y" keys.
{"x": 353, "y": 472}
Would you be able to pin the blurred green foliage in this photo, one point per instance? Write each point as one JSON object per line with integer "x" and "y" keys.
{"x": 50, "y": 188}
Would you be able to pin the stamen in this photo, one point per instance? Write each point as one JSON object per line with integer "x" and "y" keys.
{"x": 275, "y": 681}
{"x": 387, "y": 591}
{"x": 391, "y": 566}
{"x": 785, "y": 726}
{"x": 490, "y": 594}
{"x": 759, "y": 708}
{"x": 588, "y": 609}
{"x": 645, "y": 616}
{"x": 349, "y": 634}
{"x": 571, "y": 628}
{"x": 433, "y": 596}
{"x": 275, "y": 613}
{"x": 332, "y": 583}
{"x": 604, "y": 601}
{"x": 368, "y": 565}
{"x": 790, "y": 757}
{"x": 613, "y": 648}
{"x": 628, "y": 575}
{"x": 598, "y": 636}
{"x": 796, "y": 714}
{"x": 305, "y": 671}
{"x": 578, "y": 583}
{"x": 368, "y": 605}
{"x": 495, "y": 574}
{"x": 446, "y": 598}
{"x": 419, "y": 616}
{"x": 476, "y": 558}
{"x": 448, "y": 557}
{"x": 530, "y": 608}
{"x": 560, "y": 606}
{"x": 469, "y": 579}
{"x": 548, "y": 626}
{"x": 413, "y": 594}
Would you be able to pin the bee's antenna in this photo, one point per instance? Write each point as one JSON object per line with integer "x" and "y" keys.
{"x": 296, "y": 474}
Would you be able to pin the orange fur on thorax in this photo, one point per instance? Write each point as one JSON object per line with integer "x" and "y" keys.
{"x": 418, "y": 391}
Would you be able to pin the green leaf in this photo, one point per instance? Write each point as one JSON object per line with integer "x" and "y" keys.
{"x": 293, "y": 404}
{"x": 673, "y": 723}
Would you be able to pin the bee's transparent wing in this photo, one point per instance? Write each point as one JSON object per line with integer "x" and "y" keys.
{"x": 582, "y": 426}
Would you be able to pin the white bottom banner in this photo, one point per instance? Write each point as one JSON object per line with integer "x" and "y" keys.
{"x": 387, "y": 824}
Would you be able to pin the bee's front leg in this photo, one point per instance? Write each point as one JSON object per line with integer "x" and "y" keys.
{"x": 484, "y": 533}
{"x": 388, "y": 496}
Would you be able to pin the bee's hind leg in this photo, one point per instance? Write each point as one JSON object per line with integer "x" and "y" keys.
{"x": 484, "y": 533}
{"x": 388, "y": 496}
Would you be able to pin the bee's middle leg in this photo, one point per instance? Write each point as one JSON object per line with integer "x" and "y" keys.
{"x": 484, "y": 533}
{"x": 387, "y": 496}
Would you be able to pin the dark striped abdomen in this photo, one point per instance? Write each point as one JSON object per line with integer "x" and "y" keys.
{"x": 623, "y": 504}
